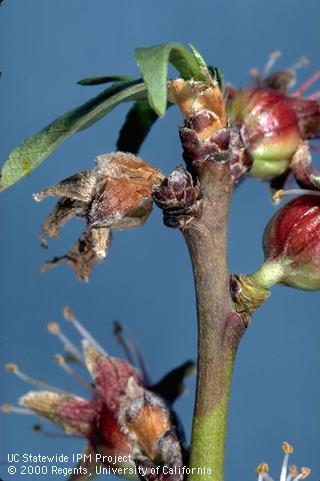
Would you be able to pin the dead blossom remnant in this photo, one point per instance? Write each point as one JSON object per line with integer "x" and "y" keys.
{"x": 116, "y": 194}
{"x": 126, "y": 420}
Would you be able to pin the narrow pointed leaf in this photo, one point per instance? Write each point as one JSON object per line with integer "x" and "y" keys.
{"x": 139, "y": 121}
{"x": 153, "y": 64}
{"x": 103, "y": 80}
{"x": 197, "y": 55}
{"x": 217, "y": 75}
{"x": 29, "y": 155}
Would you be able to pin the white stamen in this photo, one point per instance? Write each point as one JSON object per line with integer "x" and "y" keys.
{"x": 267, "y": 477}
{"x": 69, "y": 316}
{"x": 304, "y": 473}
{"x": 303, "y": 62}
{"x": 272, "y": 59}
{"x": 30, "y": 380}
{"x": 74, "y": 374}
{"x": 7, "y": 408}
{"x": 284, "y": 468}
{"x": 69, "y": 347}
{"x": 37, "y": 383}
{"x": 277, "y": 196}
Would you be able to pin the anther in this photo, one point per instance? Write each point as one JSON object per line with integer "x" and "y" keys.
{"x": 287, "y": 448}
{"x": 54, "y": 328}
{"x": 262, "y": 468}
{"x": 304, "y": 473}
{"x": 303, "y": 62}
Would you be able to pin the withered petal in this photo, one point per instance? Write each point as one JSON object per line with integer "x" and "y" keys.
{"x": 110, "y": 375}
{"x": 64, "y": 210}
{"x": 101, "y": 242}
{"x": 137, "y": 217}
{"x": 74, "y": 414}
{"x": 119, "y": 199}
{"x": 80, "y": 186}
{"x": 118, "y": 165}
{"x": 85, "y": 253}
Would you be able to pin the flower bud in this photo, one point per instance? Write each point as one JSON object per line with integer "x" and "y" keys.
{"x": 178, "y": 197}
{"x": 291, "y": 245}
{"x": 269, "y": 128}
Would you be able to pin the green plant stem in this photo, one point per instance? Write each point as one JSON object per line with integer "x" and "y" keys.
{"x": 219, "y": 327}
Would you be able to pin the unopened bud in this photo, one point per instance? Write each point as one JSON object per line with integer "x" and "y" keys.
{"x": 177, "y": 196}
{"x": 291, "y": 245}
{"x": 269, "y": 128}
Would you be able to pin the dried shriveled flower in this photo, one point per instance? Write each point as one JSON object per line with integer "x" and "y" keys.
{"x": 288, "y": 473}
{"x": 116, "y": 194}
{"x": 127, "y": 423}
{"x": 276, "y": 126}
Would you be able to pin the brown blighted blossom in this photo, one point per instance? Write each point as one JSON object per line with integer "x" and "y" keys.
{"x": 128, "y": 424}
{"x": 116, "y": 194}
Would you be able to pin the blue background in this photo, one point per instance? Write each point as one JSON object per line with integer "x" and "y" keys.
{"x": 147, "y": 280}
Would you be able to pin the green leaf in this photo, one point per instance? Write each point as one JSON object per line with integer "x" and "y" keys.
{"x": 103, "y": 80}
{"x": 198, "y": 57}
{"x": 139, "y": 121}
{"x": 29, "y": 155}
{"x": 153, "y": 63}
{"x": 217, "y": 75}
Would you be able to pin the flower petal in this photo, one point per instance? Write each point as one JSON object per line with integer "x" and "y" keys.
{"x": 79, "y": 186}
{"x": 74, "y": 414}
{"x": 92, "y": 247}
{"x": 119, "y": 199}
{"x": 64, "y": 210}
{"x": 110, "y": 375}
